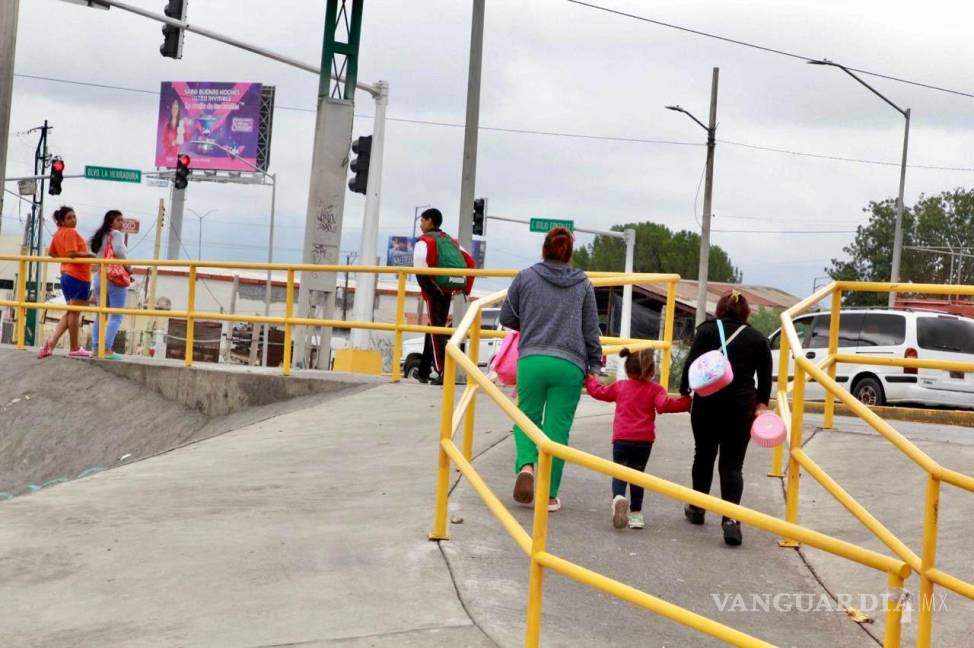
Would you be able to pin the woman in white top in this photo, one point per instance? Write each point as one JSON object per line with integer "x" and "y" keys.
{"x": 110, "y": 230}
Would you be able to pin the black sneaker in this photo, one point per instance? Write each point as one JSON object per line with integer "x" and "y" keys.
{"x": 694, "y": 513}
{"x": 732, "y": 532}
{"x": 437, "y": 381}
{"x": 423, "y": 379}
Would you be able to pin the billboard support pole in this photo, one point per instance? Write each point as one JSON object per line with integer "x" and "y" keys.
{"x": 177, "y": 202}
{"x": 365, "y": 282}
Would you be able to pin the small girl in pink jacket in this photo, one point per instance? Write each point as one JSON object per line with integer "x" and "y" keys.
{"x": 634, "y": 428}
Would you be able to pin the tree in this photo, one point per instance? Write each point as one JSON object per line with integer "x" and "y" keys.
{"x": 658, "y": 249}
{"x": 944, "y": 221}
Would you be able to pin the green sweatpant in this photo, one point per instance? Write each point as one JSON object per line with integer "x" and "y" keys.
{"x": 548, "y": 390}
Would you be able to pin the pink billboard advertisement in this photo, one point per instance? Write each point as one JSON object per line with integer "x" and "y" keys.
{"x": 205, "y": 120}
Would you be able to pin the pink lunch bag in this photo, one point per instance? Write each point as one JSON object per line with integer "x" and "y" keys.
{"x": 504, "y": 363}
{"x": 712, "y": 371}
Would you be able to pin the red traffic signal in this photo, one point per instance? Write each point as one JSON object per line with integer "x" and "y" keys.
{"x": 181, "y": 177}
{"x": 57, "y": 176}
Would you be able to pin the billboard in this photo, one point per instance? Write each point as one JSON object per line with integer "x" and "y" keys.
{"x": 399, "y": 251}
{"x": 199, "y": 117}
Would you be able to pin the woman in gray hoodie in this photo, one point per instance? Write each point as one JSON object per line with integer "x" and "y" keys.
{"x": 553, "y": 306}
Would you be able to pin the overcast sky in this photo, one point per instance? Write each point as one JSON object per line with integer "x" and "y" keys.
{"x": 548, "y": 66}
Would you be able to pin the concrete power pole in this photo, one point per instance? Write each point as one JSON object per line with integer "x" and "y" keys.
{"x": 708, "y": 192}
{"x": 9, "y": 11}
{"x": 329, "y": 172}
{"x": 365, "y": 282}
{"x": 468, "y": 179}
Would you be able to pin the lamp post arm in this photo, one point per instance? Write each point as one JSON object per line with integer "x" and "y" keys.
{"x": 871, "y": 89}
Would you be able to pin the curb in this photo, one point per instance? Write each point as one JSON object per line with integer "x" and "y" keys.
{"x": 963, "y": 418}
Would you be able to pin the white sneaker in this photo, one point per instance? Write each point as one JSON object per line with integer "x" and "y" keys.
{"x": 636, "y": 520}
{"x": 620, "y": 509}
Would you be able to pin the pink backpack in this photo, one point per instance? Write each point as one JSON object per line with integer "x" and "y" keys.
{"x": 712, "y": 371}
{"x": 504, "y": 363}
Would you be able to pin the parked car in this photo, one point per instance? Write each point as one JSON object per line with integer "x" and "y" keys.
{"x": 412, "y": 349}
{"x": 891, "y": 333}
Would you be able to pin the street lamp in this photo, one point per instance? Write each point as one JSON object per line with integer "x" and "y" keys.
{"x": 416, "y": 217}
{"x": 708, "y": 191}
{"x": 199, "y": 244}
{"x": 270, "y": 237}
{"x": 898, "y": 237}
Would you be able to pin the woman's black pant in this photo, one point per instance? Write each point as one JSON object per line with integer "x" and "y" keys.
{"x": 635, "y": 455}
{"x": 721, "y": 426}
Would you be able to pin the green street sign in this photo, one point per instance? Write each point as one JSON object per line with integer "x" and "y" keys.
{"x": 115, "y": 175}
{"x": 548, "y": 224}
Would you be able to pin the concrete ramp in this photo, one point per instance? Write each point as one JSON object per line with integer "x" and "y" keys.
{"x": 61, "y": 419}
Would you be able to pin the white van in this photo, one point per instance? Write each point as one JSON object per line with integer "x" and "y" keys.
{"x": 891, "y": 333}
{"x": 412, "y": 349}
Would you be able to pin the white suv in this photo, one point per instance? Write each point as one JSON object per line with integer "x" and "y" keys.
{"x": 412, "y": 349}
{"x": 891, "y": 333}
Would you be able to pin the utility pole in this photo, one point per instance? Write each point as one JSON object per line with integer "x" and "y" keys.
{"x": 329, "y": 171}
{"x": 34, "y": 234}
{"x": 708, "y": 194}
{"x": 9, "y": 11}
{"x": 704, "y": 268}
{"x": 468, "y": 178}
{"x": 898, "y": 236}
{"x": 154, "y": 272}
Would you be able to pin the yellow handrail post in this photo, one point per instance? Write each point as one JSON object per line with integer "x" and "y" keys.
{"x": 667, "y": 352}
{"x": 928, "y": 560}
{"x": 21, "y": 309}
{"x": 539, "y": 535}
{"x": 397, "y": 337}
{"x": 102, "y": 303}
{"x": 190, "y": 319}
{"x": 894, "y": 611}
{"x": 795, "y": 442}
{"x": 470, "y": 416}
{"x": 288, "y": 314}
{"x": 833, "y": 351}
{"x": 784, "y": 359}
{"x": 446, "y": 432}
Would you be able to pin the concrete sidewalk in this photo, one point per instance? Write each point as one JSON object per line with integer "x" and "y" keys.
{"x": 307, "y": 529}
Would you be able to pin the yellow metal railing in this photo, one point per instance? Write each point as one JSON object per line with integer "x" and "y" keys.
{"x": 824, "y": 373}
{"x": 288, "y": 320}
{"x": 534, "y": 545}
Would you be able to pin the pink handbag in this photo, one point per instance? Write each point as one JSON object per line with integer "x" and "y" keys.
{"x": 768, "y": 430}
{"x": 712, "y": 371}
{"x": 504, "y": 363}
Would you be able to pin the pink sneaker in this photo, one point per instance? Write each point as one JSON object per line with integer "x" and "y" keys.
{"x": 81, "y": 353}
{"x": 44, "y": 352}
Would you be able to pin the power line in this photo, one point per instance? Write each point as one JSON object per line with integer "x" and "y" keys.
{"x": 525, "y": 131}
{"x": 784, "y": 231}
{"x": 771, "y": 50}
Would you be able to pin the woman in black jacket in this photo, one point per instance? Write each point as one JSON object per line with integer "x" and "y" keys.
{"x": 722, "y": 421}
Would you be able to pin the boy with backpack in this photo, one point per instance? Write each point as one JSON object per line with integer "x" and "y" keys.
{"x": 436, "y": 249}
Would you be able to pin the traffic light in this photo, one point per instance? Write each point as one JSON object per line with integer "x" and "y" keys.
{"x": 362, "y": 147}
{"x": 479, "y": 215}
{"x": 181, "y": 178}
{"x": 57, "y": 175}
{"x": 172, "y": 37}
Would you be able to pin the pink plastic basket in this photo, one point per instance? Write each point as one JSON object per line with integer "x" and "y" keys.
{"x": 768, "y": 430}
